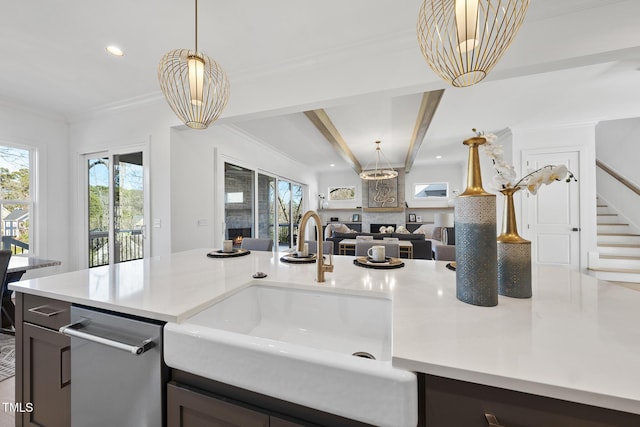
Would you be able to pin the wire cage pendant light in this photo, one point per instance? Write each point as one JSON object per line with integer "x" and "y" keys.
{"x": 194, "y": 85}
{"x": 379, "y": 172}
{"x": 462, "y": 40}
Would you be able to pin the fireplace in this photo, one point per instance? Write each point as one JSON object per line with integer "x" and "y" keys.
{"x": 237, "y": 234}
{"x": 375, "y": 228}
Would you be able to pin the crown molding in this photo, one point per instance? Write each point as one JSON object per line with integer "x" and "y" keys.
{"x": 134, "y": 102}
{"x": 45, "y": 114}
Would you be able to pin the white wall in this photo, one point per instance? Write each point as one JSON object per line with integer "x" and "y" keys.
{"x": 197, "y": 180}
{"x": 49, "y": 135}
{"x": 580, "y": 137}
{"x": 149, "y": 122}
{"x": 450, "y": 173}
{"x": 617, "y": 146}
{"x": 343, "y": 178}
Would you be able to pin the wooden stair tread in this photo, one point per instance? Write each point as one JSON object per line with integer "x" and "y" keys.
{"x": 615, "y": 270}
{"x": 618, "y": 245}
{"x": 625, "y": 257}
{"x": 630, "y": 285}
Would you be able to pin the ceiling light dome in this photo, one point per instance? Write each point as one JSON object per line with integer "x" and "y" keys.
{"x": 195, "y": 86}
{"x": 462, "y": 40}
{"x": 379, "y": 172}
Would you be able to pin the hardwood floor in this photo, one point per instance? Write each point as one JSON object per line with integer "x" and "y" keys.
{"x": 7, "y": 395}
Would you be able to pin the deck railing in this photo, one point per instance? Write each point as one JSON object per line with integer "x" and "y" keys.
{"x": 129, "y": 246}
{"x": 16, "y": 246}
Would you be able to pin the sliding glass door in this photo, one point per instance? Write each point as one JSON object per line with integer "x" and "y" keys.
{"x": 238, "y": 203}
{"x": 266, "y": 206}
{"x": 275, "y": 207}
{"x": 289, "y": 213}
{"x": 115, "y": 207}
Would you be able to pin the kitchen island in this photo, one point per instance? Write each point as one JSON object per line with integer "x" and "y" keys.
{"x": 576, "y": 340}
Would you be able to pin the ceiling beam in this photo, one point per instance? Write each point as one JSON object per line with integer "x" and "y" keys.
{"x": 323, "y": 123}
{"x": 428, "y": 107}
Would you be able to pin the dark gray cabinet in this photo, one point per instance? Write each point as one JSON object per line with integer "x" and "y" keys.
{"x": 450, "y": 402}
{"x": 189, "y": 408}
{"x": 197, "y": 401}
{"x": 43, "y": 362}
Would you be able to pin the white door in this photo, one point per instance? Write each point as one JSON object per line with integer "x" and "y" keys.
{"x": 552, "y": 216}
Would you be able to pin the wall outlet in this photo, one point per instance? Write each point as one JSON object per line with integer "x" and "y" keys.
{"x": 157, "y": 223}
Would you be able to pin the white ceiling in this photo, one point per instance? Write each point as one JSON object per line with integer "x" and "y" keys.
{"x": 54, "y": 61}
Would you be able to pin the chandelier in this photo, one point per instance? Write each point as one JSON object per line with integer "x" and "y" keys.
{"x": 195, "y": 86}
{"x": 462, "y": 40}
{"x": 379, "y": 173}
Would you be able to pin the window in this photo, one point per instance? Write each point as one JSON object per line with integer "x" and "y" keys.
{"x": 16, "y": 198}
{"x": 261, "y": 205}
{"x": 238, "y": 187}
{"x": 431, "y": 190}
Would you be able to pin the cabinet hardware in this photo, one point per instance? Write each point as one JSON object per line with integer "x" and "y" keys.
{"x": 492, "y": 420}
{"x": 47, "y": 311}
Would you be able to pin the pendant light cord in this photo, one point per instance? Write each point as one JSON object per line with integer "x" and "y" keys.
{"x": 196, "y": 26}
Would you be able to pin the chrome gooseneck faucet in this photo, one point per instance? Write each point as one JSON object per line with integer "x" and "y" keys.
{"x": 321, "y": 267}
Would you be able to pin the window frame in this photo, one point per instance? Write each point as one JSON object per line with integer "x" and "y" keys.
{"x": 30, "y": 203}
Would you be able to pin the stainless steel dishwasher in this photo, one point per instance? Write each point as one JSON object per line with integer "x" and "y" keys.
{"x": 117, "y": 373}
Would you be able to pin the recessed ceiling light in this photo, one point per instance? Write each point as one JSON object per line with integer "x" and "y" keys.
{"x": 332, "y": 164}
{"x": 114, "y": 50}
{"x": 438, "y": 157}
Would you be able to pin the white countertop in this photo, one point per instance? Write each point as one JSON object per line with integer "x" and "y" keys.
{"x": 577, "y": 339}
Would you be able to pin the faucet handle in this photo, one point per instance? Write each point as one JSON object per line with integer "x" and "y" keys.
{"x": 327, "y": 268}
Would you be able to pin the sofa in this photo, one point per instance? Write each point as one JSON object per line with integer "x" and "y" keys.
{"x": 423, "y": 239}
{"x": 421, "y": 245}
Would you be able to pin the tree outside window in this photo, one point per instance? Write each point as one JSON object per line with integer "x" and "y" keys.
{"x": 15, "y": 199}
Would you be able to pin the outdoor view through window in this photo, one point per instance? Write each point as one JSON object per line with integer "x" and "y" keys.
{"x": 116, "y": 208}
{"x": 15, "y": 199}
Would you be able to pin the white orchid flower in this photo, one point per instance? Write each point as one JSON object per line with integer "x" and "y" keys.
{"x": 556, "y": 173}
{"x": 505, "y": 176}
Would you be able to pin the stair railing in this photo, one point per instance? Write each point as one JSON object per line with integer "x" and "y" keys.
{"x": 631, "y": 186}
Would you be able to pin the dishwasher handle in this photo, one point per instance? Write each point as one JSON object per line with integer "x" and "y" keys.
{"x": 73, "y": 330}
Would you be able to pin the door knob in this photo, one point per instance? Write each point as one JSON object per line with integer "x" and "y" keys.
{"x": 575, "y": 229}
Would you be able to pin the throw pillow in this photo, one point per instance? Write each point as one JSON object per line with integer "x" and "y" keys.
{"x": 437, "y": 233}
{"x": 402, "y": 230}
{"x": 342, "y": 228}
{"x": 328, "y": 231}
{"x": 426, "y": 229}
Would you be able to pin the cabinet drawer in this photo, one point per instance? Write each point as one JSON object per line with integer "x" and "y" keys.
{"x": 46, "y": 312}
{"x": 190, "y": 408}
{"x": 459, "y": 403}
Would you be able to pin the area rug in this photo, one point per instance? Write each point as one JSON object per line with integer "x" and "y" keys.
{"x": 7, "y": 356}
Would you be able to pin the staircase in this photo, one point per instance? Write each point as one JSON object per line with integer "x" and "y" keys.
{"x": 618, "y": 255}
